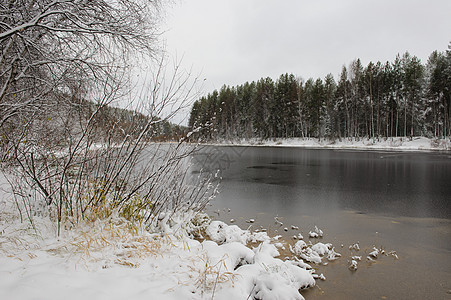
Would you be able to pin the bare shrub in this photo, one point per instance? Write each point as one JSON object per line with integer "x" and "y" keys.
{"x": 63, "y": 65}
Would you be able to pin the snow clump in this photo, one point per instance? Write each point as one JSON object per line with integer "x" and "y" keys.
{"x": 269, "y": 277}
{"x": 317, "y": 233}
{"x": 374, "y": 253}
{"x": 262, "y": 275}
{"x": 316, "y": 252}
{"x": 221, "y": 233}
{"x": 353, "y": 265}
{"x": 355, "y": 247}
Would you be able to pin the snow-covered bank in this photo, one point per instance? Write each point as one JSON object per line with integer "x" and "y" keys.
{"x": 115, "y": 259}
{"x": 399, "y": 144}
{"x": 111, "y": 259}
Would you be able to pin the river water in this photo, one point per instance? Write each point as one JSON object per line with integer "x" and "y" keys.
{"x": 396, "y": 201}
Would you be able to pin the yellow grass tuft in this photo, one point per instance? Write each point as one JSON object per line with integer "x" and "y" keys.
{"x": 207, "y": 275}
{"x": 123, "y": 242}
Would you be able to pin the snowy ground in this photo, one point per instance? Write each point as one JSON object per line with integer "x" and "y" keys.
{"x": 414, "y": 144}
{"x": 114, "y": 259}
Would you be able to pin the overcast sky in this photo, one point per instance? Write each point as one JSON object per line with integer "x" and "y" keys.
{"x": 234, "y": 41}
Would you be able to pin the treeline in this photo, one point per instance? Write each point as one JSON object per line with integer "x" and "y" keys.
{"x": 399, "y": 98}
{"x": 66, "y": 121}
{"x": 118, "y": 123}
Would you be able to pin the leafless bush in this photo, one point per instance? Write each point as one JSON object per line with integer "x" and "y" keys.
{"x": 83, "y": 177}
{"x": 63, "y": 64}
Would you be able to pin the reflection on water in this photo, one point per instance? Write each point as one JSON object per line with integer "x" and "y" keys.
{"x": 399, "y": 201}
{"x": 394, "y": 184}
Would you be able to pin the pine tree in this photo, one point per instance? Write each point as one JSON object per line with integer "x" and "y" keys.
{"x": 412, "y": 89}
{"x": 439, "y": 92}
{"x": 286, "y": 104}
{"x": 331, "y": 121}
{"x": 357, "y": 99}
{"x": 244, "y": 97}
{"x": 343, "y": 103}
{"x": 262, "y": 102}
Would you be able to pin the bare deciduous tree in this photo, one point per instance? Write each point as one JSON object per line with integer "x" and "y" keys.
{"x": 63, "y": 63}
{"x": 61, "y": 46}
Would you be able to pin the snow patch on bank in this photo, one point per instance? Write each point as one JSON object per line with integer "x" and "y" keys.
{"x": 114, "y": 259}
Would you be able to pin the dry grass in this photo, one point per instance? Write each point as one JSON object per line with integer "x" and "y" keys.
{"x": 207, "y": 275}
{"x": 118, "y": 241}
{"x": 129, "y": 246}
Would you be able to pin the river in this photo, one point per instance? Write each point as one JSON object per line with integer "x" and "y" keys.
{"x": 396, "y": 201}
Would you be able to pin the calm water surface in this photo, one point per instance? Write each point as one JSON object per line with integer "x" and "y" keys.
{"x": 393, "y": 200}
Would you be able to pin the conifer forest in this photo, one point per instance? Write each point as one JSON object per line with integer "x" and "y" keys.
{"x": 402, "y": 98}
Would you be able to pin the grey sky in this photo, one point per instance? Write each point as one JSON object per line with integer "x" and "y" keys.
{"x": 234, "y": 41}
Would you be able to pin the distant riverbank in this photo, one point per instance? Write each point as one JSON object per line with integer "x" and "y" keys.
{"x": 395, "y": 143}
